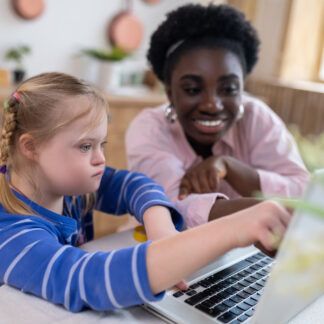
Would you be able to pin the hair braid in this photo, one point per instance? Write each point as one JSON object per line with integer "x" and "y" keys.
{"x": 8, "y": 128}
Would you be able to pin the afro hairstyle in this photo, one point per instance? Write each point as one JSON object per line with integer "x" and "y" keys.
{"x": 194, "y": 21}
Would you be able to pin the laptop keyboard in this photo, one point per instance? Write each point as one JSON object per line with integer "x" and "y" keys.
{"x": 231, "y": 294}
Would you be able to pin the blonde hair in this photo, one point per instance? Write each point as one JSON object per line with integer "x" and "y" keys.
{"x": 37, "y": 107}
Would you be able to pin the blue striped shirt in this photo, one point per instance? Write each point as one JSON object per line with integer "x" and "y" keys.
{"x": 39, "y": 254}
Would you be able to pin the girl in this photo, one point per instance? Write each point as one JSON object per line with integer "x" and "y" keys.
{"x": 53, "y": 131}
{"x": 211, "y": 142}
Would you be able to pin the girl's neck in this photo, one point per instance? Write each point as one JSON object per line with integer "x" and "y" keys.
{"x": 46, "y": 200}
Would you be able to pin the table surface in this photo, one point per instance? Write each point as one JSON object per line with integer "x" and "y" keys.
{"x": 17, "y": 307}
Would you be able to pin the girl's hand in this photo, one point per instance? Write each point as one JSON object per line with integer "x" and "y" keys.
{"x": 262, "y": 225}
{"x": 203, "y": 178}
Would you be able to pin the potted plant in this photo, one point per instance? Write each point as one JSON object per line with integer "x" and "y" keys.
{"x": 17, "y": 55}
{"x": 103, "y": 67}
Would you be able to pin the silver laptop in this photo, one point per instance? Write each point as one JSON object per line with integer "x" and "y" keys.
{"x": 246, "y": 286}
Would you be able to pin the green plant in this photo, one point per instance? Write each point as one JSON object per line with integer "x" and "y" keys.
{"x": 17, "y": 54}
{"x": 311, "y": 148}
{"x": 300, "y": 270}
{"x": 115, "y": 54}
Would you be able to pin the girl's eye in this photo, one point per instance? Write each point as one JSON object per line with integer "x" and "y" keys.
{"x": 102, "y": 145}
{"x": 85, "y": 147}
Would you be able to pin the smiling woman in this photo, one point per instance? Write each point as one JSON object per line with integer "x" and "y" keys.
{"x": 212, "y": 146}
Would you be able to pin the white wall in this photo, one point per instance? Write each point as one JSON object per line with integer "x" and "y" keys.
{"x": 270, "y": 21}
{"x": 66, "y": 26}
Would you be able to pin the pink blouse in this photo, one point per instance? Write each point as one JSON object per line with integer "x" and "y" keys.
{"x": 260, "y": 139}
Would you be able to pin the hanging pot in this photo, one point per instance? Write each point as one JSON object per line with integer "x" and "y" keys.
{"x": 28, "y": 9}
{"x": 125, "y": 30}
{"x": 152, "y": 1}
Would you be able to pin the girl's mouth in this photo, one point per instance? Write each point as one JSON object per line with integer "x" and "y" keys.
{"x": 98, "y": 174}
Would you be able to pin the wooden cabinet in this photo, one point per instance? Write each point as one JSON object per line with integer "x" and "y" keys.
{"x": 122, "y": 110}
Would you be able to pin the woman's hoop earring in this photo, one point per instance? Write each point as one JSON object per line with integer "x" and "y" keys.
{"x": 240, "y": 112}
{"x": 170, "y": 114}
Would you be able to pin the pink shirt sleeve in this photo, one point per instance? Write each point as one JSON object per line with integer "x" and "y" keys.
{"x": 274, "y": 153}
{"x": 152, "y": 150}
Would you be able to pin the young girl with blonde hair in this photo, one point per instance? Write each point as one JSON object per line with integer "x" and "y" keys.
{"x": 53, "y": 175}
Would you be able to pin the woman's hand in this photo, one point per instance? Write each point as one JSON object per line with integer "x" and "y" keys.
{"x": 262, "y": 225}
{"x": 203, "y": 178}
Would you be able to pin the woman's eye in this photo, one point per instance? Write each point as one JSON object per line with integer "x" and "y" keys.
{"x": 85, "y": 147}
{"x": 230, "y": 89}
{"x": 192, "y": 91}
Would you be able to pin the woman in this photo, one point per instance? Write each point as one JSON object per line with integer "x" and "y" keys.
{"x": 212, "y": 142}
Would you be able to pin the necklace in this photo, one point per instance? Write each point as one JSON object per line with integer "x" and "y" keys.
{"x": 64, "y": 201}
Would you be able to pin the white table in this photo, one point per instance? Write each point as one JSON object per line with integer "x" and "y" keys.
{"x": 17, "y": 307}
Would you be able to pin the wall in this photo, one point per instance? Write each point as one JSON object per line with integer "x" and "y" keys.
{"x": 270, "y": 21}
{"x": 66, "y": 26}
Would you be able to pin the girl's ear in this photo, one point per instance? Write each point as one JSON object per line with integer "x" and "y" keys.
{"x": 27, "y": 146}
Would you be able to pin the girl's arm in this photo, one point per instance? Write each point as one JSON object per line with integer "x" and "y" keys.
{"x": 122, "y": 192}
{"x": 36, "y": 258}
{"x": 171, "y": 259}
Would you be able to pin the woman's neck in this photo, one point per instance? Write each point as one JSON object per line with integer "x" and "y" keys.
{"x": 25, "y": 188}
{"x": 204, "y": 151}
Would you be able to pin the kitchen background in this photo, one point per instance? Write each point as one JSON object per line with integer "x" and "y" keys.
{"x": 289, "y": 75}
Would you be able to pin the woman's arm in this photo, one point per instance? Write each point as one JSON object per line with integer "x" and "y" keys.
{"x": 273, "y": 152}
{"x": 242, "y": 177}
{"x": 205, "y": 177}
{"x": 151, "y": 149}
{"x": 224, "y": 207}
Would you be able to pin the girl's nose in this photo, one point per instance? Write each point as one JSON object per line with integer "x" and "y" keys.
{"x": 99, "y": 157}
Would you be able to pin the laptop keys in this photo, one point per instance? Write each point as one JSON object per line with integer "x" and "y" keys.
{"x": 194, "y": 286}
{"x": 243, "y": 306}
{"x": 231, "y": 294}
{"x": 226, "y": 318}
{"x": 242, "y": 318}
{"x": 178, "y": 294}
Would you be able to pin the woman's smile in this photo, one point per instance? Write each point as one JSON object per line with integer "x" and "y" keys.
{"x": 205, "y": 91}
{"x": 209, "y": 126}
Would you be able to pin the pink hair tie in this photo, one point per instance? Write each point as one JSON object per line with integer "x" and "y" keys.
{"x": 16, "y": 96}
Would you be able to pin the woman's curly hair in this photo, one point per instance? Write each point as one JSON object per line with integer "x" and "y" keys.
{"x": 196, "y": 22}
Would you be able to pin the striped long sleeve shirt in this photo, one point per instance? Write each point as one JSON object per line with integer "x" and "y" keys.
{"x": 39, "y": 254}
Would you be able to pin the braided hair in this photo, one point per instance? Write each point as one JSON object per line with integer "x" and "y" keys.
{"x": 196, "y": 26}
{"x": 8, "y": 128}
{"x": 38, "y": 108}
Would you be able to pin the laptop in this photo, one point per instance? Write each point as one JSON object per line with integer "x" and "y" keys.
{"x": 246, "y": 286}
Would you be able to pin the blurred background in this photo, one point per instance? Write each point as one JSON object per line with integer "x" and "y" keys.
{"x": 105, "y": 42}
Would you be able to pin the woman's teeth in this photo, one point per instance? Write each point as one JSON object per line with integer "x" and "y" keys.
{"x": 210, "y": 123}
